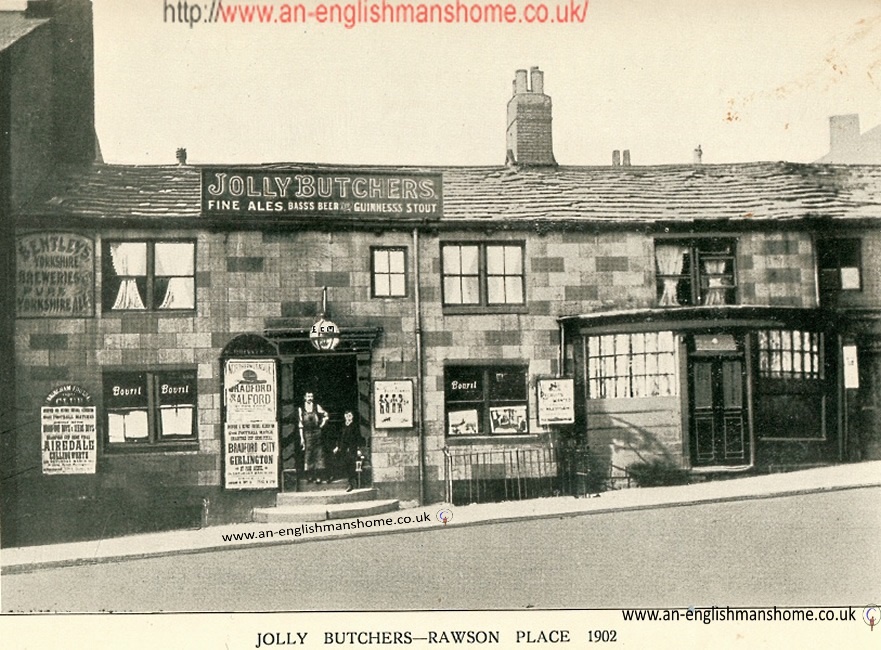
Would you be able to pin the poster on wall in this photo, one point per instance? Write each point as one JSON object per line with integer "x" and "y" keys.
{"x": 393, "y": 404}
{"x": 249, "y": 390}
{"x": 251, "y": 450}
{"x": 851, "y": 367}
{"x": 556, "y": 401}
{"x": 250, "y": 426}
{"x": 69, "y": 438}
{"x": 55, "y": 276}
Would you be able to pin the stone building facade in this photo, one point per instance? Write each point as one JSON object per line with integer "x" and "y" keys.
{"x": 169, "y": 320}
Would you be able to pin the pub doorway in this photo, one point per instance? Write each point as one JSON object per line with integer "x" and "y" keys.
{"x": 333, "y": 380}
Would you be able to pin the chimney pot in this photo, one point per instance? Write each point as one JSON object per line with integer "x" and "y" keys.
{"x": 698, "y": 155}
{"x": 626, "y": 155}
{"x": 520, "y": 82}
{"x": 616, "y": 158}
{"x": 181, "y": 155}
{"x": 536, "y": 81}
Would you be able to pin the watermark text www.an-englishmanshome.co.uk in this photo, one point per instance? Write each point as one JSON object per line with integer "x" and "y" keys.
{"x": 375, "y": 523}
{"x": 373, "y": 12}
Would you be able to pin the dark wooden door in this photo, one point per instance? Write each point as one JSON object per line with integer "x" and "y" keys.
{"x": 719, "y": 431}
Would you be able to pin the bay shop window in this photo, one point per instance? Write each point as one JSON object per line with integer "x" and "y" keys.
{"x": 632, "y": 365}
{"x": 791, "y": 387}
{"x": 149, "y": 275}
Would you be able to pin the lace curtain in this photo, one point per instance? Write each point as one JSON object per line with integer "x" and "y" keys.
{"x": 670, "y": 259}
{"x": 715, "y": 284}
{"x": 129, "y": 259}
{"x": 175, "y": 262}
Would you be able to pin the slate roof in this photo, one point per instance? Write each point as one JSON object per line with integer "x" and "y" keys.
{"x": 14, "y": 26}
{"x": 752, "y": 192}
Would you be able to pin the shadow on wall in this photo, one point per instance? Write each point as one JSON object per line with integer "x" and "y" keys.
{"x": 630, "y": 443}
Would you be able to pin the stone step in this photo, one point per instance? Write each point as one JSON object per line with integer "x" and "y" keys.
{"x": 324, "y": 497}
{"x": 323, "y": 512}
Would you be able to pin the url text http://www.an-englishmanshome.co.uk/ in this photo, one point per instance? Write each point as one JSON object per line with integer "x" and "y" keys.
{"x": 374, "y": 12}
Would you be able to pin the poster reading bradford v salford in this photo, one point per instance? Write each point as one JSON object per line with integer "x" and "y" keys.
{"x": 251, "y": 429}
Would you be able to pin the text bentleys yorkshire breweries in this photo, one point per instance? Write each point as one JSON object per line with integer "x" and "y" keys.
{"x": 372, "y": 12}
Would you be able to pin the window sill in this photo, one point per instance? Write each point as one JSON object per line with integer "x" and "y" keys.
{"x": 464, "y": 310}
{"x": 152, "y": 312}
{"x": 147, "y": 448}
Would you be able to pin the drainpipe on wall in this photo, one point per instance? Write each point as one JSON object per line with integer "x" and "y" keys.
{"x": 420, "y": 423}
{"x": 561, "y": 354}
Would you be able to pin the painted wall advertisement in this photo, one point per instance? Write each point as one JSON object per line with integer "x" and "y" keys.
{"x": 251, "y": 426}
{"x": 69, "y": 438}
{"x": 54, "y": 275}
{"x": 556, "y": 401}
{"x": 393, "y": 404}
{"x": 310, "y": 193}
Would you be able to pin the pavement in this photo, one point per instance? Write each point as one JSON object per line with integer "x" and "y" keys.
{"x": 245, "y": 535}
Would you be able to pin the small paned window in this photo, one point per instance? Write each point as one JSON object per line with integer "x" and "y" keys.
{"x": 483, "y": 400}
{"x": 149, "y": 275}
{"x": 389, "y": 272}
{"x": 483, "y": 274}
{"x": 789, "y": 354}
{"x": 839, "y": 262}
{"x": 632, "y": 365}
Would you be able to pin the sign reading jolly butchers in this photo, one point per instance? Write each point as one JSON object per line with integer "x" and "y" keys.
{"x": 238, "y": 192}
{"x": 251, "y": 426}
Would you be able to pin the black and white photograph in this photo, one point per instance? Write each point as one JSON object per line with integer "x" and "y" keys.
{"x": 393, "y": 323}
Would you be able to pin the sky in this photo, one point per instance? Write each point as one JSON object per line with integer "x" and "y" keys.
{"x": 748, "y": 80}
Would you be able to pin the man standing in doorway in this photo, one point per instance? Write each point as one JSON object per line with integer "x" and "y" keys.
{"x": 312, "y": 420}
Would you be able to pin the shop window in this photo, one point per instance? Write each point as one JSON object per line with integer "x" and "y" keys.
{"x": 785, "y": 354}
{"x": 483, "y": 400}
{"x": 483, "y": 275}
{"x": 149, "y": 275}
{"x": 839, "y": 262}
{"x": 698, "y": 272}
{"x": 389, "y": 270}
{"x": 632, "y": 365}
{"x": 150, "y": 408}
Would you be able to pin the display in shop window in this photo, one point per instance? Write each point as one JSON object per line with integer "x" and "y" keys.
{"x": 508, "y": 419}
{"x": 463, "y": 423}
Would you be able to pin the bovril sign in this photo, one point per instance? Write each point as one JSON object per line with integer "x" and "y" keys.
{"x": 311, "y": 193}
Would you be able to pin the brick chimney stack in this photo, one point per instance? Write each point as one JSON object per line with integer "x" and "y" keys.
{"x": 528, "y": 137}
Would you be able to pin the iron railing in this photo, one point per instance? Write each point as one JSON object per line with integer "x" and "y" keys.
{"x": 490, "y": 475}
